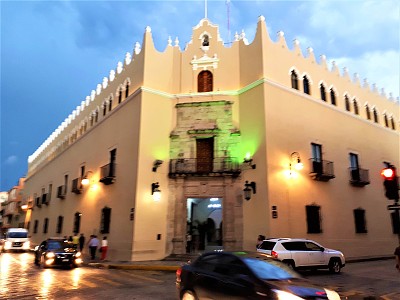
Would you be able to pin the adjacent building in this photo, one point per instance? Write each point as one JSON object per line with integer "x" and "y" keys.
{"x": 12, "y": 214}
{"x": 196, "y": 149}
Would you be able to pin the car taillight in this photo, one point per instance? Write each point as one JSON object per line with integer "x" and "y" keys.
{"x": 274, "y": 254}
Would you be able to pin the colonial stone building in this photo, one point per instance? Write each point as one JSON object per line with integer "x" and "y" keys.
{"x": 204, "y": 142}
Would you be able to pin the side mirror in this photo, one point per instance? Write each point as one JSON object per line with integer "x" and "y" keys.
{"x": 322, "y": 249}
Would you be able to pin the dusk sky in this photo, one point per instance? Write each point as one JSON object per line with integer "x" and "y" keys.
{"x": 54, "y": 53}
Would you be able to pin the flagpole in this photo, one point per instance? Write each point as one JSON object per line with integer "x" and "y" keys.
{"x": 205, "y": 9}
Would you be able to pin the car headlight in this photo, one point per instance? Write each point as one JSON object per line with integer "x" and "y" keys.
{"x": 78, "y": 254}
{"x": 7, "y": 245}
{"x": 27, "y": 244}
{"x": 50, "y": 254}
{"x": 332, "y": 295}
{"x": 282, "y": 295}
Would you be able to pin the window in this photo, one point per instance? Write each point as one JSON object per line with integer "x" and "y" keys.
{"x": 359, "y": 220}
{"x": 355, "y": 106}
{"x": 323, "y": 92}
{"x": 77, "y": 222}
{"x": 368, "y": 112}
{"x": 392, "y": 123}
{"x": 333, "y": 97}
{"x": 35, "y": 226}
{"x": 46, "y": 225}
{"x": 119, "y": 96}
{"x": 65, "y": 183}
{"x": 96, "y": 116}
{"x": 347, "y": 103}
{"x": 105, "y": 220}
{"x": 127, "y": 90}
{"x": 313, "y": 219}
{"x": 60, "y": 221}
{"x": 385, "y": 118}
{"x": 295, "y": 81}
{"x": 110, "y": 104}
{"x": 104, "y": 108}
{"x": 353, "y": 160}
{"x": 375, "y": 112}
{"x": 306, "y": 85}
{"x": 205, "y": 82}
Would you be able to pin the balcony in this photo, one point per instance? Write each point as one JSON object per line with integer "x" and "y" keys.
{"x": 45, "y": 199}
{"x": 204, "y": 167}
{"x": 76, "y": 186}
{"x": 359, "y": 177}
{"x": 61, "y": 192}
{"x": 321, "y": 170}
{"x": 38, "y": 202}
{"x": 107, "y": 174}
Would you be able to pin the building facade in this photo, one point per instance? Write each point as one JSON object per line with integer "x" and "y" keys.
{"x": 12, "y": 214}
{"x": 217, "y": 131}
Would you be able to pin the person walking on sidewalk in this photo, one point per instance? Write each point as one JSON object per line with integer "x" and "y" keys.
{"x": 104, "y": 248}
{"x": 93, "y": 245}
{"x": 81, "y": 242}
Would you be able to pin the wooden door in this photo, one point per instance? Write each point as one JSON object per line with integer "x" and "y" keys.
{"x": 205, "y": 155}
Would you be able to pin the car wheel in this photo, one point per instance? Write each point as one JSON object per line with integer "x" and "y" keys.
{"x": 290, "y": 264}
{"x": 189, "y": 295}
{"x": 335, "y": 266}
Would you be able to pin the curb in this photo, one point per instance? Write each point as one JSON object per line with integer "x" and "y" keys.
{"x": 172, "y": 268}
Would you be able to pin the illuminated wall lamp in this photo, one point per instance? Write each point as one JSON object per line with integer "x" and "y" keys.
{"x": 155, "y": 191}
{"x": 248, "y": 188}
{"x": 85, "y": 179}
{"x": 295, "y": 162}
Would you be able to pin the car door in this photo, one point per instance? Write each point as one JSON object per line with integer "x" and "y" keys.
{"x": 298, "y": 252}
{"x": 316, "y": 254}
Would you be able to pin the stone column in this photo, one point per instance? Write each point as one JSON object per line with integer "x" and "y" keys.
{"x": 228, "y": 215}
{"x": 179, "y": 237}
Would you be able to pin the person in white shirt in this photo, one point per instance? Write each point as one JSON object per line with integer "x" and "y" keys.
{"x": 104, "y": 248}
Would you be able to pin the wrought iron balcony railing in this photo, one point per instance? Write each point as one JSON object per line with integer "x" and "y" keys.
{"x": 321, "y": 170}
{"x": 359, "y": 177}
{"x": 61, "y": 192}
{"x": 204, "y": 166}
{"x": 107, "y": 173}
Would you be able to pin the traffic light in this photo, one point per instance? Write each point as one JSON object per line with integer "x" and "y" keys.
{"x": 391, "y": 182}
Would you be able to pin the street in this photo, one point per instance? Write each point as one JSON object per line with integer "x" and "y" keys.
{"x": 21, "y": 279}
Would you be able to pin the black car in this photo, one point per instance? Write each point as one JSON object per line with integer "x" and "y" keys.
{"x": 57, "y": 252}
{"x": 244, "y": 275}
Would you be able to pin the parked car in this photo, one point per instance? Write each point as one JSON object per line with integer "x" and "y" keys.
{"x": 303, "y": 254}
{"x": 244, "y": 275}
{"x": 57, "y": 252}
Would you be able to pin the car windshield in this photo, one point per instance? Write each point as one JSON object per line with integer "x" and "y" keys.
{"x": 17, "y": 235}
{"x": 53, "y": 245}
{"x": 270, "y": 270}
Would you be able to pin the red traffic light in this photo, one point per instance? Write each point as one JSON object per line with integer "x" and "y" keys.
{"x": 388, "y": 173}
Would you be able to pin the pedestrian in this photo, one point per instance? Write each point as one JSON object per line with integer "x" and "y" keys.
{"x": 260, "y": 239}
{"x": 81, "y": 242}
{"x": 75, "y": 240}
{"x": 104, "y": 248}
{"x": 397, "y": 255}
{"x": 70, "y": 238}
{"x": 93, "y": 244}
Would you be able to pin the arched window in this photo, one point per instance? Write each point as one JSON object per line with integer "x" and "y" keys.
{"x": 127, "y": 90}
{"x": 205, "y": 82}
{"x": 368, "y": 112}
{"x": 392, "y": 123}
{"x": 385, "y": 118}
{"x": 306, "y": 85}
{"x": 96, "y": 116}
{"x": 206, "y": 41}
{"x": 347, "y": 103}
{"x": 104, "y": 108}
{"x": 375, "y": 112}
{"x": 323, "y": 92}
{"x": 295, "y": 81}
{"x": 333, "y": 97}
{"x": 119, "y": 96}
{"x": 110, "y": 104}
{"x": 355, "y": 105}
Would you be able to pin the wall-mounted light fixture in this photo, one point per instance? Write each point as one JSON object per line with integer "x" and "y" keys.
{"x": 155, "y": 191}
{"x": 248, "y": 188}
{"x": 85, "y": 179}
{"x": 156, "y": 164}
{"x": 295, "y": 162}
{"x": 248, "y": 160}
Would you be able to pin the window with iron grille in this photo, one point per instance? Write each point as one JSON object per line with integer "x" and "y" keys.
{"x": 105, "y": 220}
{"x": 313, "y": 219}
{"x": 60, "y": 221}
{"x": 46, "y": 225}
{"x": 35, "y": 226}
{"x": 359, "y": 220}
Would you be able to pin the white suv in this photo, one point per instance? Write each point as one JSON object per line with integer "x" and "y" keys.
{"x": 303, "y": 253}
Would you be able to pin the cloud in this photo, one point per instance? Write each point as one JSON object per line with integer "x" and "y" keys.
{"x": 11, "y": 160}
{"x": 377, "y": 67}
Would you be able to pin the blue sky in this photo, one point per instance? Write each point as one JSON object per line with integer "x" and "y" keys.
{"x": 54, "y": 53}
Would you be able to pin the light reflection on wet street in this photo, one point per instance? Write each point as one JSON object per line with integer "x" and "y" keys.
{"x": 20, "y": 278}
